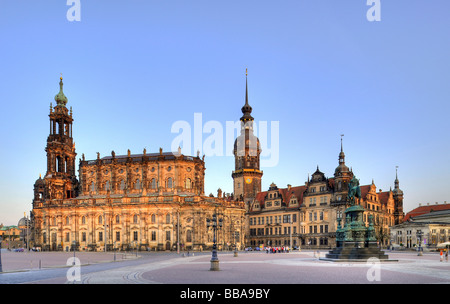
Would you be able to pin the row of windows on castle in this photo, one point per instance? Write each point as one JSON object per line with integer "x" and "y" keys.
{"x": 137, "y": 185}
{"x": 312, "y": 217}
{"x": 276, "y": 219}
{"x": 312, "y": 229}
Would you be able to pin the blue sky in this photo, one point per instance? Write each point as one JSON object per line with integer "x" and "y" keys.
{"x": 319, "y": 68}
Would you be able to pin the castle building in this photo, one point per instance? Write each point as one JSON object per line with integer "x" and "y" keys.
{"x": 306, "y": 216}
{"x": 148, "y": 201}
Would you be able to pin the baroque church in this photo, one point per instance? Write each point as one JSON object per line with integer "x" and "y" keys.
{"x": 146, "y": 201}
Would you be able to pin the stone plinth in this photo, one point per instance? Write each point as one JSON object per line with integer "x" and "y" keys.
{"x": 355, "y": 242}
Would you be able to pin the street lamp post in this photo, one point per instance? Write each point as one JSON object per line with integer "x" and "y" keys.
{"x": 215, "y": 224}
{"x": 419, "y": 234}
{"x": 74, "y": 245}
{"x": 236, "y": 236}
{"x": 290, "y": 235}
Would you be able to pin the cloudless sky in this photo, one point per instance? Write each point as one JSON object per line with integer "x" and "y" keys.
{"x": 317, "y": 67}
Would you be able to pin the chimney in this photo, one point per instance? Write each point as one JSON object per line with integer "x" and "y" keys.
{"x": 289, "y": 187}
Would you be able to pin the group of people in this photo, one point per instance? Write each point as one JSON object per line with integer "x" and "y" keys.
{"x": 282, "y": 249}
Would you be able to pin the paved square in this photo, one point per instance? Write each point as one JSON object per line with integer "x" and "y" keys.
{"x": 303, "y": 267}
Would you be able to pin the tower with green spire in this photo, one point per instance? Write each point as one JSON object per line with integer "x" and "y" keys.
{"x": 60, "y": 179}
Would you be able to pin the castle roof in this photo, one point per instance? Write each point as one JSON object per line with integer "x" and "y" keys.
{"x": 426, "y": 209}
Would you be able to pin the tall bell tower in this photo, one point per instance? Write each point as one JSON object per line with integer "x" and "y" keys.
{"x": 60, "y": 179}
{"x": 398, "y": 201}
{"x": 247, "y": 174}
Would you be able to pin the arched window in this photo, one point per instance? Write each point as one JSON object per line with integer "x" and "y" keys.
{"x": 92, "y": 187}
{"x": 137, "y": 184}
{"x": 153, "y": 219}
{"x": 169, "y": 183}
{"x": 100, "y": 220}
{"x": 117, "y": 219}
{"x": 168, "y": 219}
{"x": 122, "y": 184}
{"x": 58, "y": 163}
{"x": 107, "y": 186}
{"x": 188, "y": 183}
{"x": 189, "y": 236}
{"x": 153, "y": 184}
{"x": 83, "y": 220}
{"x": 67, "y": 220}
{"x": 135, "y": 219}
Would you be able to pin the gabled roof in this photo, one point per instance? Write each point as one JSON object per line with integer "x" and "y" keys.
{"x": 286, "y": 195}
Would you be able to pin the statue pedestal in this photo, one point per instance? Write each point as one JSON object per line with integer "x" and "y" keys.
{"x": 350, "y": 253}
{"x": 355, "y": 242}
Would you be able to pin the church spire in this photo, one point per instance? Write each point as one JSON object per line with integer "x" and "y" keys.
{"x": 341, "y": 154}
{"x": 396, "y": 182}
{"x": 246, "y": 109}
{"x": 342, "y": 169}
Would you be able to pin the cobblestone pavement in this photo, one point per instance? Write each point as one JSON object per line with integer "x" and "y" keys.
{"x": 247, "y": 268}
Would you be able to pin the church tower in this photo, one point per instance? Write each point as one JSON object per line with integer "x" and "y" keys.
{"x": 342, "y": 176}
{"x": 247, "y": 174}
{"x": 60, "y": 180}
{"x": 398, "y": 201}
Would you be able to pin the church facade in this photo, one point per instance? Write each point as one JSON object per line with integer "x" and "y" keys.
{"x": 146, "y": 201}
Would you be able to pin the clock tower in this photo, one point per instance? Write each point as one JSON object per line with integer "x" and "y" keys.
{"x": 247, "y": 174}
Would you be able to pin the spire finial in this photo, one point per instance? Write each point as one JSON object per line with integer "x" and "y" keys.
{"x": 60, "y": 98}
{"x": 246, "y": 88}
{"x": 342, "y": 150}
{"x": 246, "y": 109}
